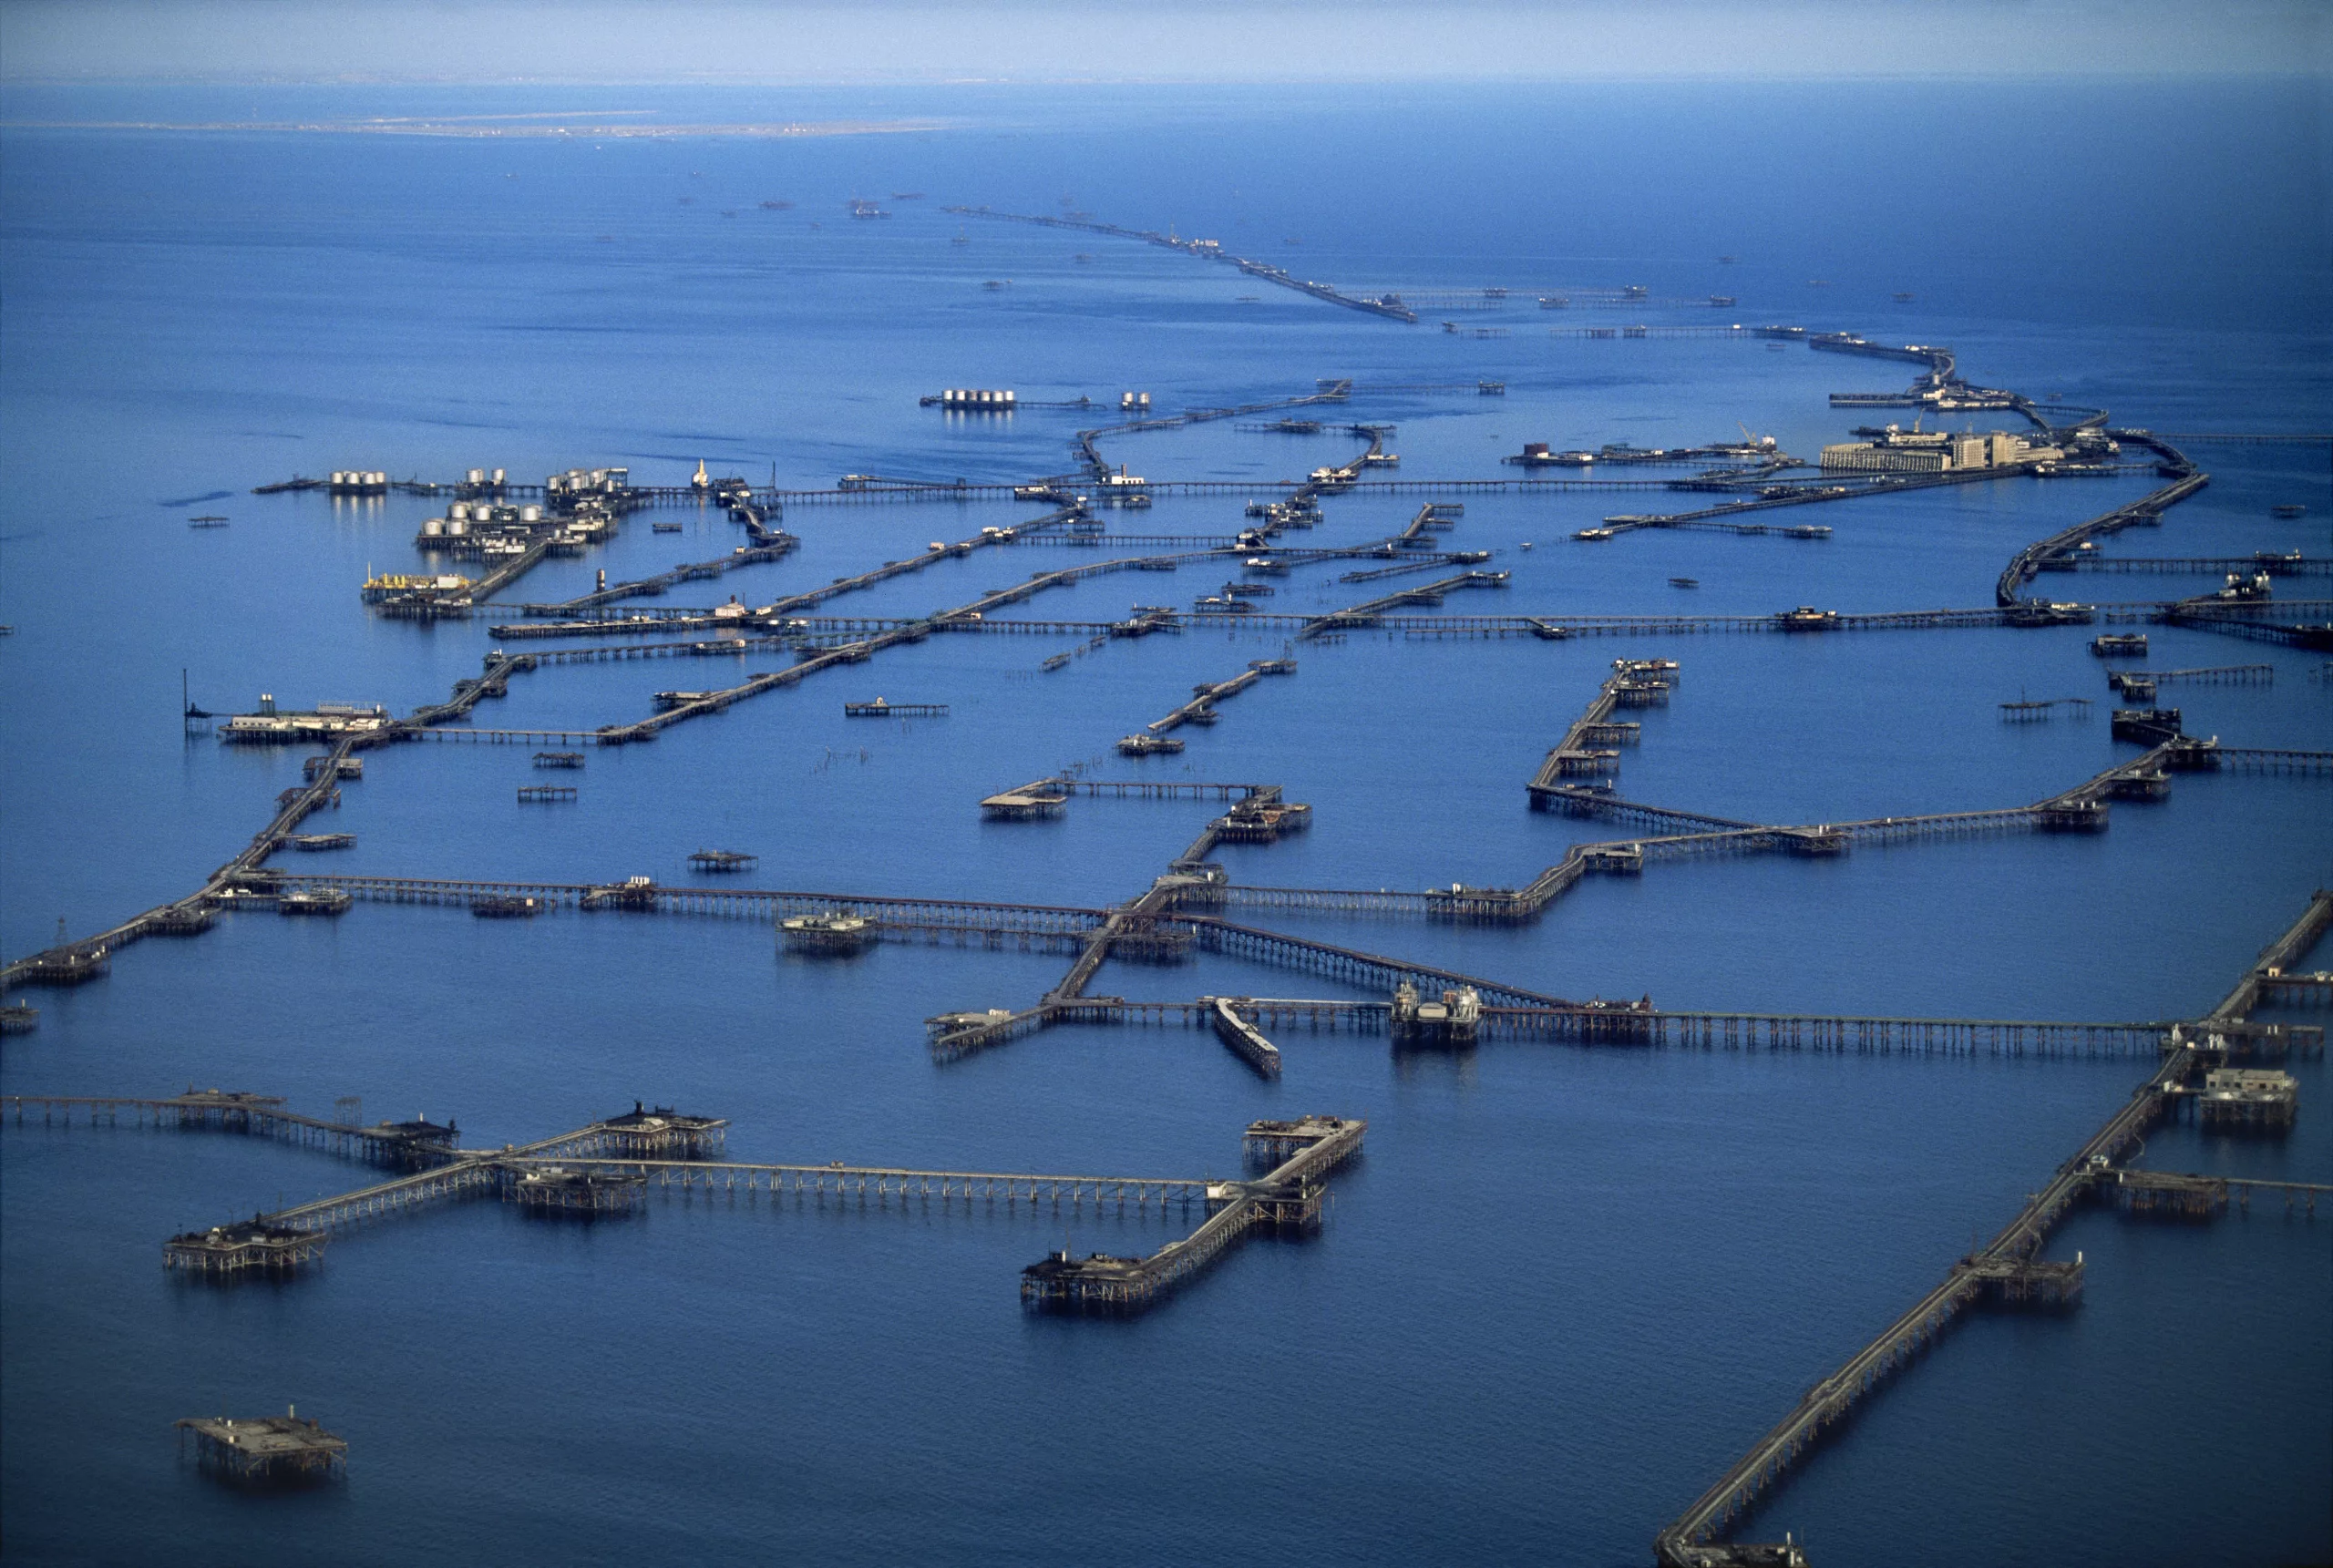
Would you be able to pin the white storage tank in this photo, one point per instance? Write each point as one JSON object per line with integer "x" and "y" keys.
{"x": 433, "y": 527}
{"x": 458, "y": 526}
{"x": 497, "y": 475}
{"x": 477, "y": 475}
{"x": 530, "y": 514}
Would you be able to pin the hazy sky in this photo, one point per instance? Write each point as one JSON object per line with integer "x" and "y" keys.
{"x": 1205, "y": 40}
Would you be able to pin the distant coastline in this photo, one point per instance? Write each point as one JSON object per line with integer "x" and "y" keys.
{"x": 458, "y": 126}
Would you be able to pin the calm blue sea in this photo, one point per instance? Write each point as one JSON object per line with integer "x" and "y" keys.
{"x": 1565, "y": 1287}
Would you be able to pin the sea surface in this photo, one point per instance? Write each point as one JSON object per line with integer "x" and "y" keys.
{"x": 1564, "y": 1287}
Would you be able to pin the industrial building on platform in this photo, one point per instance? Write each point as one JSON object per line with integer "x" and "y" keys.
{"x": 1892, "y": 450}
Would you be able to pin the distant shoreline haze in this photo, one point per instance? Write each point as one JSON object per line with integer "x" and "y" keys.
{"x": 465, "y": 128}
{"x": 1195, "y": 41}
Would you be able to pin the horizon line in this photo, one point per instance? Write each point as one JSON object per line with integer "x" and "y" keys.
{"x": 2230, "y": 73}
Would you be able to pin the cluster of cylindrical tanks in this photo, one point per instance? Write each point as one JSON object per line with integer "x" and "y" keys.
{"x": 357, "y": 482}
{"x": 587, "y": 481}
{"x": 975, "y": 397}
{"x": 463, "y": 516}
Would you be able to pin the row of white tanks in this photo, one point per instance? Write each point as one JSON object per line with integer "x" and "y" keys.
{"x": 577, "y": 481}
{"x": 461, "y": 516}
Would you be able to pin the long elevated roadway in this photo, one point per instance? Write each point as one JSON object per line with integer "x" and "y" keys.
{"x": 193, "y": 911}
{"x": 1389, "y": 306}
{"x": 2007, "y": 1266}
